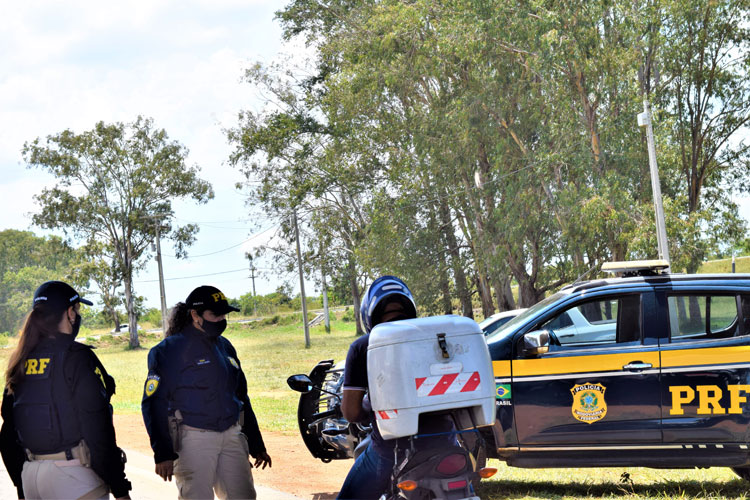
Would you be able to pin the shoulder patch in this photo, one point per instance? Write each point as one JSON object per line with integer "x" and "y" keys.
{"x": 101, "y": 376}
{"x": 233, "y": 362}
{"x": 152, "y": 383}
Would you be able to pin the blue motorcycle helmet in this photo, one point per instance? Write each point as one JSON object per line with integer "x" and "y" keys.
{"x": 383, "y": 291}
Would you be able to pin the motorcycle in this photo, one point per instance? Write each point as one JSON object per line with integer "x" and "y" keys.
{"x": 439, "y": 465}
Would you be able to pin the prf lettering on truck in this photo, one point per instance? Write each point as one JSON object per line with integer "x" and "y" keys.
{"x": 709, "y": 398}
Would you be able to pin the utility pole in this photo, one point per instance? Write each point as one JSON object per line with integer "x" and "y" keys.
{"x": 325, "y": 303}
{"x": 255, "y": 301}
{"x": 301, "y": 281}
{"x": 161, "y": 280}
{"x": 644, "y": 120}
{"x": 157, "y": 223}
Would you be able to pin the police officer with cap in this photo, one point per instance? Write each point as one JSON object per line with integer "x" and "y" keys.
{"x": 195, "y": 404}
{"x": 57, "y": 439}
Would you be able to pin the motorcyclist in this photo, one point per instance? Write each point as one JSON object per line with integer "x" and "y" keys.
{"x": 387, "y": 299}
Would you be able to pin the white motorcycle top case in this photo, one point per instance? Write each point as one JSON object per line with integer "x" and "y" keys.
{"x": 425, "y": 365}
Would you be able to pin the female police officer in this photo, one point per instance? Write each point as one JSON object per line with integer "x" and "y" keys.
{"x": 195, "y": 404}
{"x": 57, "y": 401}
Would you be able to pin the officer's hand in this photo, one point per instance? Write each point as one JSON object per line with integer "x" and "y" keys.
{"x": 165, "y": 469}
{"x": 262, "y": 460}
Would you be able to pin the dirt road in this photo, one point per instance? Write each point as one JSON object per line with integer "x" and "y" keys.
{"x": 294, "y": 470}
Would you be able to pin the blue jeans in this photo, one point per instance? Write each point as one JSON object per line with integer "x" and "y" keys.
{"x": 368, "y": 478}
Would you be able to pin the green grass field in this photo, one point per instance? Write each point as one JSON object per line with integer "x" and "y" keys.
{"x": 742, "y": 265}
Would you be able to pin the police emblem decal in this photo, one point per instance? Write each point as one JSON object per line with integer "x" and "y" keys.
{"x": 589, "y": 405}
{"x": 233, "y": 362}
{"x": 152, "y": 383}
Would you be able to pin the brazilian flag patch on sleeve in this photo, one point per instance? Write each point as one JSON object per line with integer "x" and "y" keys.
{"x": 152, "y": 383}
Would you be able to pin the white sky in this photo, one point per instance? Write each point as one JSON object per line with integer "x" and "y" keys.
{"x": 70, "y": 64}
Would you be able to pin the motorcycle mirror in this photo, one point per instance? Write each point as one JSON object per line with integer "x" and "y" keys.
{"x": 300, "y": 383}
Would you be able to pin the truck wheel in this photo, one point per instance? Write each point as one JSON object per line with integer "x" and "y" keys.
{"x": 743, "y": 472}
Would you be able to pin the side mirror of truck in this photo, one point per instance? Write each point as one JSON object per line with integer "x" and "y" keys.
{"x": 300, "y": 383}
{"x": 536, "y": 343}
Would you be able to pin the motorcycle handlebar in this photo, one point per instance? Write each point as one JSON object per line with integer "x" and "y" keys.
{"x": 336, "y": 412}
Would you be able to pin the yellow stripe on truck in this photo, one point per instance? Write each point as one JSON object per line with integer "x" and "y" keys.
{"x": 581, "y": 364}
{"x": 501, "y": 368}
{"x": 671, "y": 358}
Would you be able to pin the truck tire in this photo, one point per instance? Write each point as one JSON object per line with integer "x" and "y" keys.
{"x": 743, "y": 472}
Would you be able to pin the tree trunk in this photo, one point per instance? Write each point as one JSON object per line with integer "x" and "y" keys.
{"x": 504, "y": 294}
{"x": 112, "y": 312}
{"x": 485, "y": 294}
{"x": 354, "y": 286}
{"x": 462, "y": 288}
{"x": 445, "y": 289}
{"x": 130, "y": 305}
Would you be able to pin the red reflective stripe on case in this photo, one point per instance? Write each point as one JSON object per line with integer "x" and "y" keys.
{"x": 472, "y": 384}
{"x": 420, "y": 381}
{"x": 443, "y": 385}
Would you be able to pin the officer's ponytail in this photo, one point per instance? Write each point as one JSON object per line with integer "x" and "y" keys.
{"x": 40, "y": 322}
{"x": 178, "y": 319}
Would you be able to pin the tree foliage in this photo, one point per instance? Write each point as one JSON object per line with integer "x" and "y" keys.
{"x": 27, "y": 261}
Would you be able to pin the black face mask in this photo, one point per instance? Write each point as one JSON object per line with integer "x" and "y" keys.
{"x": 214, "y": 328}
{"x": 76, "y": 325}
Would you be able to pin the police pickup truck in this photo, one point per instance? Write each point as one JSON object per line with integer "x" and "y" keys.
{"x": 657, "y": 376}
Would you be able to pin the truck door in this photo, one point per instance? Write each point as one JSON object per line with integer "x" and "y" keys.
{"x": 600, "y": 384}
{"x": 706, "y": 368}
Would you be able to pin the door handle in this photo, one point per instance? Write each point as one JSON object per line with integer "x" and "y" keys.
{"x": 637, "y": 366}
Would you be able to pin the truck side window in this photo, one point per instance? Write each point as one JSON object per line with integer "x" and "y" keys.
{"x": 595, "y": 322}
{"x": 696, "y": 317}
{"x": 745, "y": 309}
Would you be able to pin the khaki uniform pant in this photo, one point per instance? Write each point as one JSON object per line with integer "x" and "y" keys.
{"x": 213, "y": 462}
{"x": 61, "y": 479}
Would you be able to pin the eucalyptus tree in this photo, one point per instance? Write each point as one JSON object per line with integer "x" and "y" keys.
{"x": 111, "y": 181}
{"x": 294, "y": 158}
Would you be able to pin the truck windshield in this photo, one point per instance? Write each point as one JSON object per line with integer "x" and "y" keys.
{"x": 511, "y": 326}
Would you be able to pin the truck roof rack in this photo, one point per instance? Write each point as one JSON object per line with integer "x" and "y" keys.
{"x": 636, "y": 267}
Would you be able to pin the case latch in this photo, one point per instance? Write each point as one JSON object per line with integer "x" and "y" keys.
{"x": 443, "y": 345}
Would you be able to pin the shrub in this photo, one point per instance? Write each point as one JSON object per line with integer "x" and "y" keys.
{"x": 348, "y": 315}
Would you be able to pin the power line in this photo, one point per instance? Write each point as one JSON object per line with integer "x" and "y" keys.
{"x": 230, "y": 247}
{"x": 196, "y": 276}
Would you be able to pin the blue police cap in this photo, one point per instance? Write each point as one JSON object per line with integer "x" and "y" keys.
{"x": 58, "y": 296}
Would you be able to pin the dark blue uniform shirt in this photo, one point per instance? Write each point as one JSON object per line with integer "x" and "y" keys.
{"x": 355, "y": 377}
{"x": 63, "y": 398}
{"x": 201, "y": 376}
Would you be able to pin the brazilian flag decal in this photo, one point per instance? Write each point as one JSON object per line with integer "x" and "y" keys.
{"x": 502, "y": 391}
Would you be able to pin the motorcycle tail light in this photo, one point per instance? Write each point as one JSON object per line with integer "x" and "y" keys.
{"x": 456, "y": 484}
{"x": 487, "y": 472}
{"x": 451, "y": 464}
{"x": 407, "y": 485}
